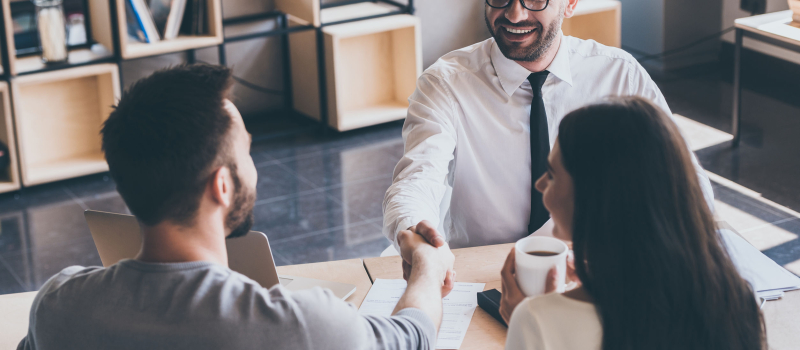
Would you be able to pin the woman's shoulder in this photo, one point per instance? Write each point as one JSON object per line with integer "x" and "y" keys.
{"x": 557, "y": 302}
{"x": 554, "y": 321}
{"x": 553, "y": 312}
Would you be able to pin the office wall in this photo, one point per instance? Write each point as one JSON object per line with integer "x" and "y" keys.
{"x": 446, "y": 25}
{"x": 731, "y": 11}
{"x": 643, "y": 25}
{"x": 655, "y": 26}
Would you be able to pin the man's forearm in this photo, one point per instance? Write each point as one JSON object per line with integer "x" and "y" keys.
{"x": 424, "y": 291}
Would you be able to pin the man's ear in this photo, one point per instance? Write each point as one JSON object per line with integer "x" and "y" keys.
{"x": 220, "y": 186}
{"x": 569, "y": 9}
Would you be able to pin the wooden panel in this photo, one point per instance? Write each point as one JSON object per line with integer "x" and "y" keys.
{"x": 360, "y": 10}
{"x": 344, "y": 271}
{"x": 601, "y": 23}
{"x": 307, "y": 10}
{"x": 34, "y": 63}
{"x": 12, "y": 49}
{"x": 132, "y": 49}
{"x": 59, "y": 115}
{"x": 371, "y": 115}
{"x": 407, "y": 63}
{"x": 100, "y": 16}
{"x": 9, "y": 181}
{"x": 305, "y": 73}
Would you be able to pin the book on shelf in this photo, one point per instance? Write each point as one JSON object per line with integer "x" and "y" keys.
{"x": 135, "y": 31}
{"x": 150, "y": 21}
{"x": 168, "y": 15}
{"x": 195, "y": 18}
{"x": 144, "y": 20}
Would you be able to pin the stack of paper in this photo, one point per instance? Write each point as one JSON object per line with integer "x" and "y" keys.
{"x": 458, "y": 306}
{"x": 767, "y": 278}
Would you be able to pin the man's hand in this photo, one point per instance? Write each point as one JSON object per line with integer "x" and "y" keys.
{"x": 512, "y": 294}
{"x": 427, "y": 231}
{"x": 416, "y": 251}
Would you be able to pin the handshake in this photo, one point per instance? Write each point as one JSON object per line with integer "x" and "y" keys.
{"x": 425, "y": 252}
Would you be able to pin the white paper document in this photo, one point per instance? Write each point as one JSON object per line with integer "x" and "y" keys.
{"x": 768, "y": 278}
{"x": 458, "y": 308}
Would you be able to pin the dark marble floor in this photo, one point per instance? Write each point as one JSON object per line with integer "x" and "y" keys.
{"x": 768, "y": 158}
{"x": 319, "y": 197}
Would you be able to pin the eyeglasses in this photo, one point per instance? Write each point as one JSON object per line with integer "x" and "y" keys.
{"x": 531, "y": 5}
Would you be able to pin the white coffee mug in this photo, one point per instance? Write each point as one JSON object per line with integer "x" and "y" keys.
{"x": 531, "y": 270}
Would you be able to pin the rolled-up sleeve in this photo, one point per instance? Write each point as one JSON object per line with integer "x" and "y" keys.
{"x": 644, "y": 86}
{"x": 334, "y": 324}
{"x": 420, "y": 179}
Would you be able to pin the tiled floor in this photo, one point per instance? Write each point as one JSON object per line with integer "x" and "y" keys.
{"x": 319, "y": 198}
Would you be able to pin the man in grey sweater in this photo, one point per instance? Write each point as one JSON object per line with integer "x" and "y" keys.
{"x": 179, "y": 154}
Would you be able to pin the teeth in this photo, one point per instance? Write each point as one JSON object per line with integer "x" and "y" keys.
{"x": 517, "y": 31}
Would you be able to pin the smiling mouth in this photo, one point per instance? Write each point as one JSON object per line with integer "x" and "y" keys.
{"x": 518, "y": 31}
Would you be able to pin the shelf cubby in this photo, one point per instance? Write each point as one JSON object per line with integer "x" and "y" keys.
{"x": 599, "y": 20}
{"x": 9, "y": 178}
{"x": 100, "y": 22}
{"x": 371, "y": 69}
{"x": 58, "y": 118}
{"x": 130, "y": 49}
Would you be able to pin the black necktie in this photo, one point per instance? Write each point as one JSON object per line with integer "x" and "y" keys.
{"x": 540, "y": 148}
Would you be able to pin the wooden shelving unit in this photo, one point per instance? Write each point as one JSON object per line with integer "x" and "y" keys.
{"x": 131, "y": 49}
{"x": 58, "y": 119}
{"x": 372, "y": 69}
{"x": 58, "y": 109}
{"x": 9, "y": 179}
{"x": 599, "y": 20}
{"x": 370, "y": 66}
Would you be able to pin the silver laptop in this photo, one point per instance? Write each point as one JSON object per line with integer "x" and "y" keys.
{"x": 118, "y": 237}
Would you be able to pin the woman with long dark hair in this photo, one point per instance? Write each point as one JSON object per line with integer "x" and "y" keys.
{"x": 653, "y": 270}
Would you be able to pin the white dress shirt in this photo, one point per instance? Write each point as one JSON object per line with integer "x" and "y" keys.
{"x": 467, "y": 162}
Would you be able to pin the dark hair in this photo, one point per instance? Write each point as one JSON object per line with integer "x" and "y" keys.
{"x": 166, "y": 135}
{"x": 645, "y": 242}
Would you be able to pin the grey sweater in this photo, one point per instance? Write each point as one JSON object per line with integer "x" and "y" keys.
{"x": 200, "y": 305}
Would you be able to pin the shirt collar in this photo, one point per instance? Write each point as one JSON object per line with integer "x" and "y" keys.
{"x": 512, "y": 75}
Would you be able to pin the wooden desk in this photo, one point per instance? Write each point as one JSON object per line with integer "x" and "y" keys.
{"x": 776, "y": 29}
{"x": 345, "y": 271}
{"x": 483, "y": 264}
{"x": 475, "y": 265}
{"x": 15, "y": 308}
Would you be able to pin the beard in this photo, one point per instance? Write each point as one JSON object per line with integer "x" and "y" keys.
{"x": 240, "y": 218}
{"x": 531, "y": 52}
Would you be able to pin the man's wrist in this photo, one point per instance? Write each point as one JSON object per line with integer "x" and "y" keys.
{"x": 423, "y": 262}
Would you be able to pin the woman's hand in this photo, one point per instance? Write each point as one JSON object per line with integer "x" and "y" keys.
{"x": 512, "y": 295}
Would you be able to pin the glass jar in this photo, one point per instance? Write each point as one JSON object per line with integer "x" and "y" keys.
{"x": 52, "y": 29}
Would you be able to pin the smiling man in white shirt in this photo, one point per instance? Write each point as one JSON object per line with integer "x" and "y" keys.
{"x": 478, "y": 133}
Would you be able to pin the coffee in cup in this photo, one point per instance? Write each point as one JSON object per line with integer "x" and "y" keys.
{"x": 534, "y": 258}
